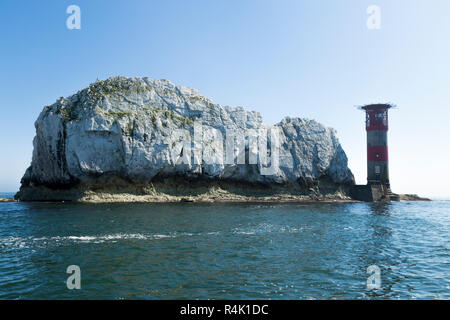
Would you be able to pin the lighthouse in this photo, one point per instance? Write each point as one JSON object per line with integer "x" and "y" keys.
{"x": 377, "y": 144}
{"x": 378, "y": 187}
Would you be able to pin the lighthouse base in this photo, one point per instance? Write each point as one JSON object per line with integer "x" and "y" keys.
{"x": 373, "y": 192}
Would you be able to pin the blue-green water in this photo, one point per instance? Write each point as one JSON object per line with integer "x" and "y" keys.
{"x": 223, "y": 251}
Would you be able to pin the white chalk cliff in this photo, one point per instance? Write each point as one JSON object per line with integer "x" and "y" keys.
{"x": 139, "y": 130}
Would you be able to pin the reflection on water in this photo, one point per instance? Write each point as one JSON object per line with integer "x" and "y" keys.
{"x": 378, "y": 248}
{"x": 380, "y": 208}
{"x": 241, "y": 251}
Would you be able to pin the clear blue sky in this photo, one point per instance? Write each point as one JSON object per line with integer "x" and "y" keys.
{"x": 314, "y": 59}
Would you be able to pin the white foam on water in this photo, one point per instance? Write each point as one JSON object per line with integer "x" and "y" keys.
{"x": 81, "y": 238}
{"x": 22, "y": 242}
{"x": 25, "y": 242}
{"x": 267, "y": 228}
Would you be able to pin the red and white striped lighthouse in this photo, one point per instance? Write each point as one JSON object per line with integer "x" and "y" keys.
{"x": 377, "y": 143}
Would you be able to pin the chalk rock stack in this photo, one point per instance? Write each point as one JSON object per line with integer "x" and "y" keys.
{"x": 141, "y": 130}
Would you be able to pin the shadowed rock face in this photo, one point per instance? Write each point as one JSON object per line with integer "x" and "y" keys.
{"x": 139, "y": 130}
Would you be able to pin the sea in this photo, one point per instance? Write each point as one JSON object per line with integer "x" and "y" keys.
{"x": 398, "y": 250}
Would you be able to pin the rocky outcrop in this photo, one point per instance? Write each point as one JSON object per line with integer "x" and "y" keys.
{"x": 135, "y": 132}
{"x": 411, "y": 197}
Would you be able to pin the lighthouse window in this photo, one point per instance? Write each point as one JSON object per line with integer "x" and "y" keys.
{"x": 377, "y": 169}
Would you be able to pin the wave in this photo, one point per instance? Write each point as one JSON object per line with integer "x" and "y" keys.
{"x": 26, "y": 242}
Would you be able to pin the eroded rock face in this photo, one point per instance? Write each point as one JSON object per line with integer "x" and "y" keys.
{"x": 139, "y": 129}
